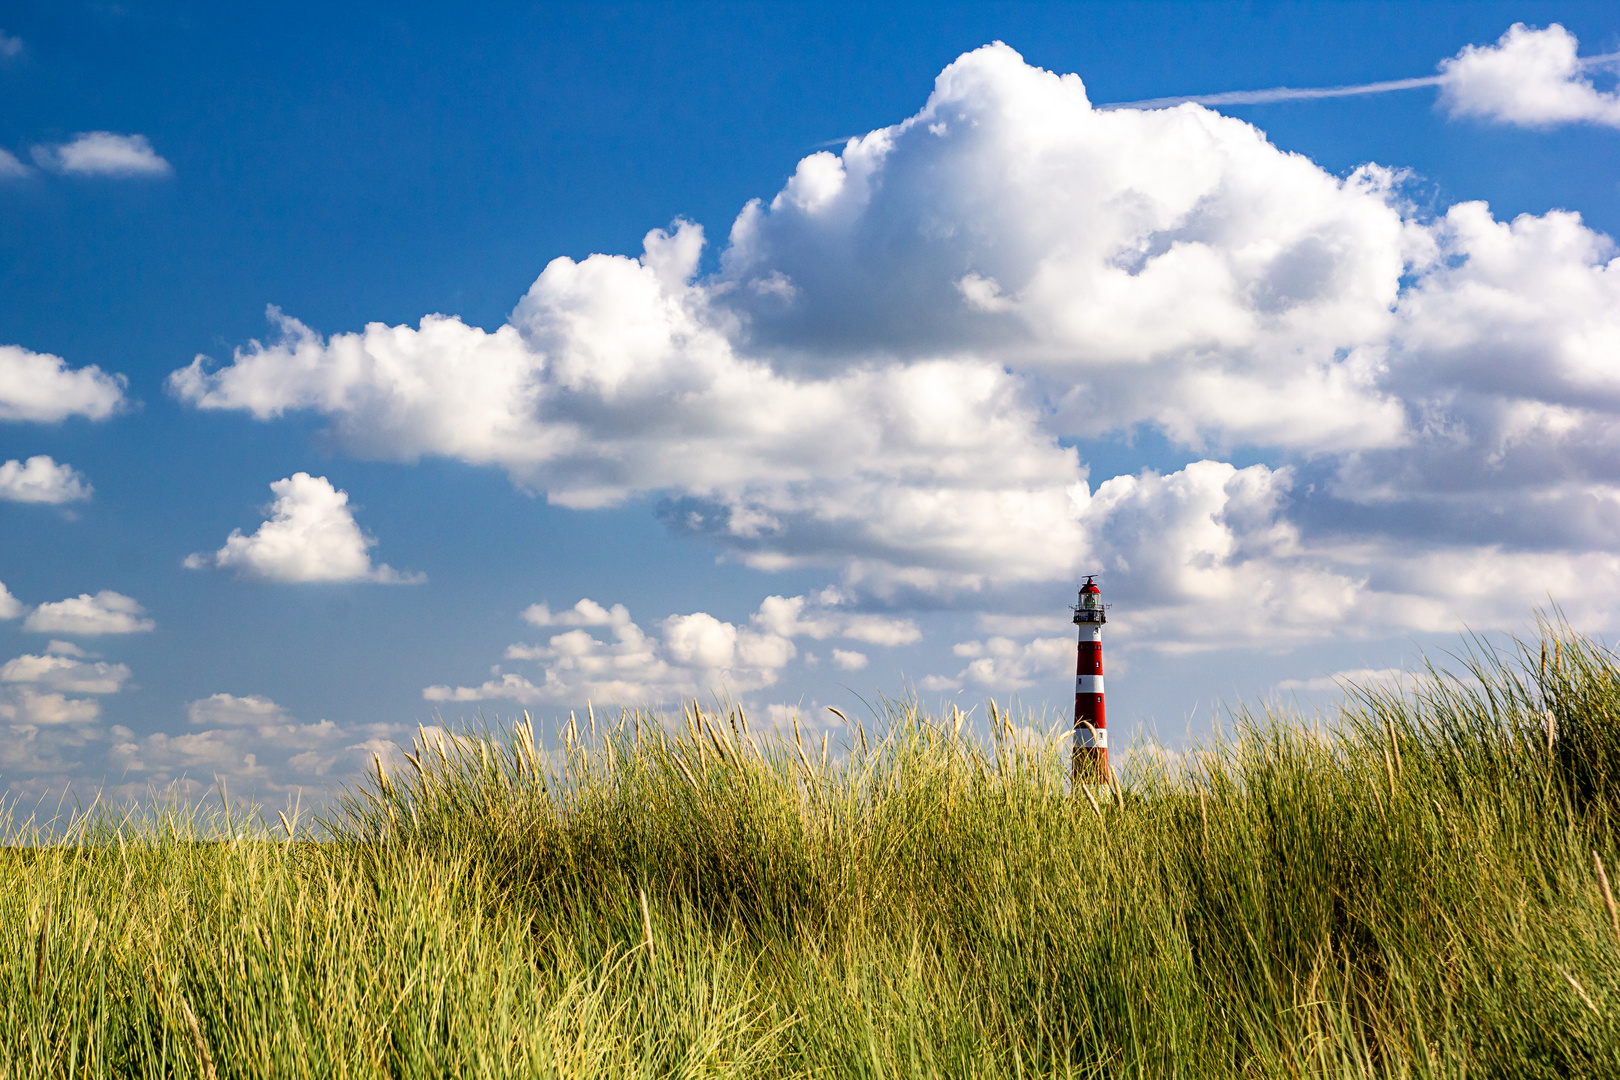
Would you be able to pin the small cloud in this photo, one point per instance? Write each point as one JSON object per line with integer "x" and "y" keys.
{"x": 1358, "y": 678}
{"x": 41, "y": 388}
{"x": 41, "y": 480}
{"x": 983, "y": 293}
{"x": 228, "y": 710}
{"x": 10, "y": 167}
{"x": 849, "y": 660}
{"x": 940, "y": 684}
{"x": 67, "y": 674}
{"x": 1530, "y": 77}
{"x": 311, "y": 536}
{"x": 27, "y": 708}
{"x": 509, "y": 687}
{"x": 84, "y": 615}
{"x": 102, "y": 153}
{"x": 10, "y": 606}
{"x": 10, "y": 47}
{"x": 584, "y": 613}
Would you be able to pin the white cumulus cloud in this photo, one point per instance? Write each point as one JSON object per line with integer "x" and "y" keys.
{"x": 42, "y": 388}
{"x": 897, "y": 368}
{"x": 41, "y": 480}
{"x": 27, "y": 708}
{"x": 106, "y": 612}
{"x": 849, "y": 659}
{"x": 103, "y": 153}
{"x": 1530, "y": 77}
{"x": 65, "y": 672}
{"x": 10, "y": 167}
{"x": 311, "y": 535}
{"x": 63, "y": 667}
{"x": 10, "y": 606}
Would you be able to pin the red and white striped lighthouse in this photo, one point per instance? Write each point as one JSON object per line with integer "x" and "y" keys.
{"x": 1090, "y": 716}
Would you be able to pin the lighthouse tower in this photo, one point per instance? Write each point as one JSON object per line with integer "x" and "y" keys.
{"x": 1090, "y": 717}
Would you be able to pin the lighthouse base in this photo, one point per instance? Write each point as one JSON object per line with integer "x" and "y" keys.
{"x": 1091, "y": 765}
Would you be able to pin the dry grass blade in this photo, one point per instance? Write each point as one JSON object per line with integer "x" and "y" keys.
{"x": 1608, "y": 897}
{"x": 798, "y": 744}
{"x": 860, "y": 731}
{"x": 1203, "y": 813}
{"x": 646, "y": 921}
{"x": 526, "y": 758}
{"x": 204, "y": 1060}
{"x": 1575, "y": 986}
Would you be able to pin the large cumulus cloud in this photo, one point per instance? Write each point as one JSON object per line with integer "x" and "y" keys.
{"x": 895, "y": 365}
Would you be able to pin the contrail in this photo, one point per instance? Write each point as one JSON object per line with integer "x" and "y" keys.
{"x": 1279, "y": 93}
{"x": 1289, "y": 93}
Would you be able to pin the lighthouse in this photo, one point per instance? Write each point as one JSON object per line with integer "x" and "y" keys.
{"x": 1090, "y": 716}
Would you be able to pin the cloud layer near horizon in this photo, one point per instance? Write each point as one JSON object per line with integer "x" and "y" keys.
{"x": 902, "y": 354}
{"x": 686, "y": 655}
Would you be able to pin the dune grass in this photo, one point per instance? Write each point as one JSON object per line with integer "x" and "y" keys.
{"x": 1417, "y": 887}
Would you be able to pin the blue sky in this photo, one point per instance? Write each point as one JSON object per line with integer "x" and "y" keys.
{"x": 1297, "y": 377}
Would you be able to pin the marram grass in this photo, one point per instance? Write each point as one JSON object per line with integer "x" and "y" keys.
{"x": 1417, "y": 887}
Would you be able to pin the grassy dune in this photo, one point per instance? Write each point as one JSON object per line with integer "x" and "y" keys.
{"x": 1412, "y": 889}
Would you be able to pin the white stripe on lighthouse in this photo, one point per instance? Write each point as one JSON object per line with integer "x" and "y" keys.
{"x": 1088, "y": 684}
{"x": 1094, "y": 738}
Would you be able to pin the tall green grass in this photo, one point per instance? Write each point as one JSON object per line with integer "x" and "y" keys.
{"x": 1415, "y": 887}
